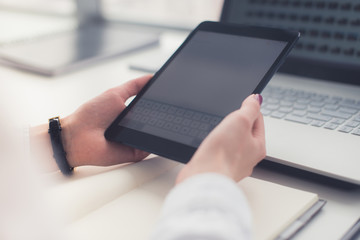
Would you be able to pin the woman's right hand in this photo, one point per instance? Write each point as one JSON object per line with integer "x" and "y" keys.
{"x": 234, "y": 147}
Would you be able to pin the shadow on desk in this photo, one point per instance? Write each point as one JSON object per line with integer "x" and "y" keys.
{"x": 305, "y": 175}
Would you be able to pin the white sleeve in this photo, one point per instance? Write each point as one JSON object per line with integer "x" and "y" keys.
{"x": 206, "y": 206}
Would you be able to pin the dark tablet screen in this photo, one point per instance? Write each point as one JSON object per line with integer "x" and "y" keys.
{"x": 207, "y": 80}
{"x": 208, "y": 77}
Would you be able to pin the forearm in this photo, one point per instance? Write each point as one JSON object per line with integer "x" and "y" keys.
{"x": 40, "y": 148}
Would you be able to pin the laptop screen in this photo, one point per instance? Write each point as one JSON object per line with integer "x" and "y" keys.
{"x": 329, "y": 47}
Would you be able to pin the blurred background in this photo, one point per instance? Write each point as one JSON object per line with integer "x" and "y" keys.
{"x": 47, "y": 16}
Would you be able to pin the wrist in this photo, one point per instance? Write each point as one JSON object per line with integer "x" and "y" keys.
{"x": 67, "y": 137}
{"x": 40, "y": 148}
{"x": 59, "y": 154}
{"x": 200, "y": 164}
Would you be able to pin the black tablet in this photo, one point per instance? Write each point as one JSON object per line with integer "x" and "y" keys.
{"x": 209, "y": 76}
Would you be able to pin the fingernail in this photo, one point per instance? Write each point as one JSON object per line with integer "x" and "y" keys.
{"x": 259, "y": 98}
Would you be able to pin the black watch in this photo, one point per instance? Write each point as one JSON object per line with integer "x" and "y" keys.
{"x": 57, "y": 146}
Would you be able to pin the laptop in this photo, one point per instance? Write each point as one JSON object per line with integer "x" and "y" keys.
{"x": 312, "y": 106}
{"x": 91, "y": 40}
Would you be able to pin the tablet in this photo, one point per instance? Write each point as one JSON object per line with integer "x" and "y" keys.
{"x": 209, "y": 76}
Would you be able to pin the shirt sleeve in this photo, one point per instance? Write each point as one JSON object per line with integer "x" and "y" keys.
{"x": 208, "y": 206}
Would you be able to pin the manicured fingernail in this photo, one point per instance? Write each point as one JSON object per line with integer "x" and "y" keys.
{"x": 259, "y": 98}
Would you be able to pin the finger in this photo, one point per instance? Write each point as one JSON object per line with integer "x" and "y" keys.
{"x": 132, "y": 87}
{"x": 115, "y": 153}
{"x": 259, "y": 135}
{"x": 251, "y": 107}
{"x": 248, "y": 112}
{"x": 259, "y": 128}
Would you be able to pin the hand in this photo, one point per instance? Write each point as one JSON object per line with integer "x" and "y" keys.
{"x": 234, "y": 147}
{"x": 83, "y": 131}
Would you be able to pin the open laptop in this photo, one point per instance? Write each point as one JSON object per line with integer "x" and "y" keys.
{"x": 312, "y": 107}
{"x": 94, "y": 40}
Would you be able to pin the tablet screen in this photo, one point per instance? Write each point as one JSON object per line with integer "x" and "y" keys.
{"x": 208, "y": 79}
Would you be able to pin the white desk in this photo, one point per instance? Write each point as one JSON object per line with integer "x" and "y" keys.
{"x": 38, "y": 98}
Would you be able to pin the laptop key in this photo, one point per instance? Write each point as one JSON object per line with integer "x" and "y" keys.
{"x": 176, "y": 128}
{"x": 271, "y": 107}
{"x": 299, "y": 112}
{"x": 337, "y": 121}
{"x": 331, "y": 126}
{"x": 144, "y": 119}
{"x": 286, "y": 103}
{"x": 314, "y": 109}
{"x": 298, "y": 119}
{"x": 337, "y": 98}
{"x": 345, "y": 129}
{"x": 317, "y": 123}
{"x": 265, "y": 112}
{"x": 215, "y": 120}
{"x": 180, "y": 112}
{"x": 160, "y": 123}
{"x": 202, "y": 135}
{"x": 285, "y": 109}
{"x": 303, "y": 100}
{"x": 164, "y": 108}
{"x": 290, "y": 98}
{"x": 206, "y": 118}
{"x": 186, "y": 122}
{"x": 277, "y": 114}
{"x": 195, "y": 124}
{"x": 336, "y": 114}
{"x": 152, "y": 121}
{"x": 204, "y": 126}
{"x": 193, "y": 132}
{"x": 356, "y": 132}
{"x": 299, "y": 106}
{"x": 185, "y": 130}
{"x": 348, "y": 110}
{"x": 188, "y": 114}
{"x": 349, "y": 101}
{"x": 154, "y": 114}
{"x": 169, "y": 117}
{"x": 168, "y": 126}
{"x": 272, "y": 100}
{"x": 352, "y": 124}
{"x": 162, "y": 115}
{"x": 350, "y": 105}
{"x": 331, "y": 107}
{"x": 330, "y": 101}
{"x": 319, "y": 117}
{"x": 317, "y": 104}
{"x": 178, "y": 120}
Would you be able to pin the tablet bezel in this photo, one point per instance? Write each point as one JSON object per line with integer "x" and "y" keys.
{"x": 175, "y": 150}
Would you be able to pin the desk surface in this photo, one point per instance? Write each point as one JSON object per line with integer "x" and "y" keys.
{"x": 33, "y": 99}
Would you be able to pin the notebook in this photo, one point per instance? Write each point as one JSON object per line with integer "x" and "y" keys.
{"x": 312, "y": 108}
{"x": 125, "y": 202}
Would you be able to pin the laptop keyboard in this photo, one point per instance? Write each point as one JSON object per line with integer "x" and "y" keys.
{"x": 168, "y": 120}
{"x": 329, "y": 28}
{"x": 322, "y": 111}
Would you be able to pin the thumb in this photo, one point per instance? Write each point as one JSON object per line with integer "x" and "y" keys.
{"x": 251, "y": 106}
